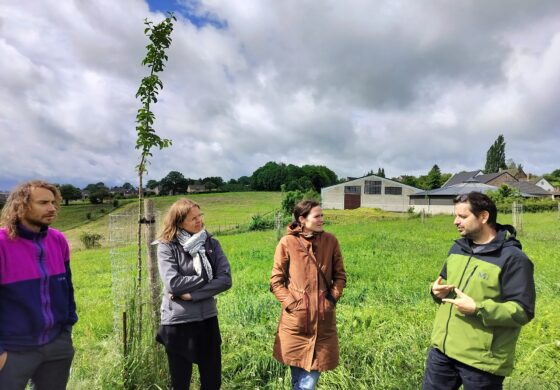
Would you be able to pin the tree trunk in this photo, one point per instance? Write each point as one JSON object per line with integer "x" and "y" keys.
{"x": 139, "y": 259}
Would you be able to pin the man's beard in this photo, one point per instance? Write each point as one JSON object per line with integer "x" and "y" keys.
{"x": 39, "y": 223}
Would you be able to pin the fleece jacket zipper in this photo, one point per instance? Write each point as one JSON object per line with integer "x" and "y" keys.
{"x": 451, "y": 306}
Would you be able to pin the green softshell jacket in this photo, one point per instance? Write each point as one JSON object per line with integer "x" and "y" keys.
{"x": 499, "y": 277}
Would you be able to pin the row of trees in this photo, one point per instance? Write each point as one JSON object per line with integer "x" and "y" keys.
{"x": 275, "y": 177}
{"x": 96, "y": 193}
{"x": 176, "y": 183}
{"x": 270, "y": 177}
{"x": 434, "y": 179}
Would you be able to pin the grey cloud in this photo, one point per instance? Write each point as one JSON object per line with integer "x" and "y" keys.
{"x": 354, "y": 86}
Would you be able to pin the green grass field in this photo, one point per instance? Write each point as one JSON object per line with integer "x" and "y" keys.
{"x": 384, "y": 318}
{"x": 221, "y": 210}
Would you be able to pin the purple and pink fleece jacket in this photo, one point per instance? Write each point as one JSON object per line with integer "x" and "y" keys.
{"x": 36, "y": 292}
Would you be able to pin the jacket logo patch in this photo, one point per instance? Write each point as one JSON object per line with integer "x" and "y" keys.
{"x": 483, "y": 275}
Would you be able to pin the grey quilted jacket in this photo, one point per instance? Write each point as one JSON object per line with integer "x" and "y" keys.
{"x": 178, "y": 276}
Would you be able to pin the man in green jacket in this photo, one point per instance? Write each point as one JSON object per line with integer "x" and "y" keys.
{"x": 486, "y": 293}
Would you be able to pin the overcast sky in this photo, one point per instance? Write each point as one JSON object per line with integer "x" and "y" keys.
{"x": 353, "y": 85}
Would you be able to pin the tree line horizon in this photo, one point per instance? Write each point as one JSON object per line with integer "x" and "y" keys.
{"x": 274, "y": 176}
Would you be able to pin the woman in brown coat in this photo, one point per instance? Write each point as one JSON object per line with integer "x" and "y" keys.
{"x": 307, "y": 278}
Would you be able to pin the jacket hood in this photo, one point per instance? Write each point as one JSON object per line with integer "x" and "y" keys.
{"x": 298, "y": 231}
{"x": 294, "y": 231}
{"x": 505, "y": 237}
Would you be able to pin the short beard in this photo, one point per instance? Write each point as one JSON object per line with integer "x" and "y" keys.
{"x": 40, "y": 224}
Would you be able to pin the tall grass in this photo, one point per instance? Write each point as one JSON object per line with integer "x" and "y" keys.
{"x": 76, "y": 214}
{"x": 222, "y": 211}
{"x": 384, "y": 317}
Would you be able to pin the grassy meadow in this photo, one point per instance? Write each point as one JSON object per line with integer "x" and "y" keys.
{"x": 384, "y": 317}
{"x": 222, "y": 211}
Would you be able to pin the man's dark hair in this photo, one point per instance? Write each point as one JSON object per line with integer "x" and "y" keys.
{"x": 478, "y": 202}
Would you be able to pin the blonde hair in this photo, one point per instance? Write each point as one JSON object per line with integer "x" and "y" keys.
{"x": 174, "y": 218}
{"x": 17, "y": 204}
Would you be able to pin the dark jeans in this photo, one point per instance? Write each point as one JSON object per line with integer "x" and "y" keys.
{"x": 181, "y": 371}
{"x": 444, "y": 373}
{"x": 48, "y": 366}
{"x": 194, "y": 342}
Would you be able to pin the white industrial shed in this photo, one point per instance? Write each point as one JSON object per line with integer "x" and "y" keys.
{"x": 370, "y": 191}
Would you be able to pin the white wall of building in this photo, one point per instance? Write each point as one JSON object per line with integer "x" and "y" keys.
{"x": 333, "y": 197}
{"x": 545, "y": 185}
{"x": 434, "y": 209}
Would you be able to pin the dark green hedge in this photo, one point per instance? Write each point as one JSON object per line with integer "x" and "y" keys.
{"x": 530, "y": 205}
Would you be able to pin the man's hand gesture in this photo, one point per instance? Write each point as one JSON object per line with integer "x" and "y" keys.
{"x": 463, "y": 303}
{"x": 441, "y": 290}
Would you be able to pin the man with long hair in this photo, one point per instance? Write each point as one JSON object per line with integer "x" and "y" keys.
{"x": 37, "y": 307}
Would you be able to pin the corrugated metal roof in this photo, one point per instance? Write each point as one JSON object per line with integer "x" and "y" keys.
{"x": 457, "y": 189}
{"x": 491, "y": 176}
{"x": 528, "y": 188}
{"x": 370, "y": 177}
{"x": 460, "y": 177}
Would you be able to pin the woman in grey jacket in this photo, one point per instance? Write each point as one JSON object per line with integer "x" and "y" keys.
{"x": 193, "y": 269}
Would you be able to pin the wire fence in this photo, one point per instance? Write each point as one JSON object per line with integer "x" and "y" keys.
{"x": 232, "y": 226}
{"x": 123, "y": 251}
{"x": 144, "y": 363}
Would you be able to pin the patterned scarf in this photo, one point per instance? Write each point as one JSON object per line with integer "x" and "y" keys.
{"x": 194, "y": 245}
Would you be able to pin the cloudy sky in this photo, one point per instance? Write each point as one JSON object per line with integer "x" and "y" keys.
{"x": 353, "y": 85}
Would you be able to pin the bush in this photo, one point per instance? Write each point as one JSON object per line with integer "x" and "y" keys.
{"x": 91, "y": 240}
{"x": 294, "y": 197}
{"x": 505, "y": 194}
{"x": 290, "y": 200}
{"x": 258, "y": 222}
{"x": 115, "y": 203}
{"x": 95, "y": 200}
{"x": 530, "y": 205}
{"x": 88, "y": 215}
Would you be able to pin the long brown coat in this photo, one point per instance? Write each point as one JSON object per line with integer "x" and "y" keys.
{"x": 306, "y": 335}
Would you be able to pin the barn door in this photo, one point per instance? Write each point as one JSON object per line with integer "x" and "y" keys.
{"x": 352, "y": 197}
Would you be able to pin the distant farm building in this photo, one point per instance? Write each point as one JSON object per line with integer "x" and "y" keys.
{"x": 543, "y": 183}
{"x": 516, "y": 178}
{"x": 370, "y": 191}
{"x": 124, "y": 192}
{"x": 195, "y": 188}
{"x": 440, "y": 200}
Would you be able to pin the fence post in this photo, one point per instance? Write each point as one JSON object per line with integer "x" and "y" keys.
{"x": 278, "y": 225}
{"x": 517, "y": 216}
{"x": 153, "y": 277}
{"x": 124, "y": 335}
